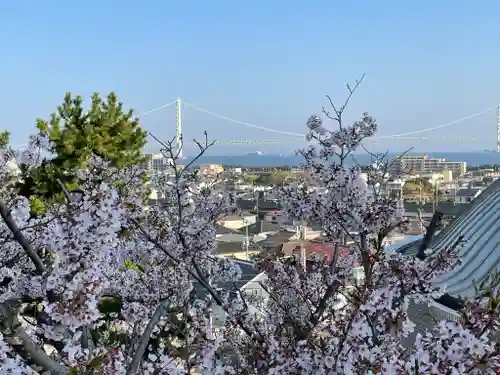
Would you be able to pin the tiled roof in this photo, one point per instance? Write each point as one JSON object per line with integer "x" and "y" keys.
{"x": 231, "y": 237}
{"x": 262, "y": 226}
{"x": 228, "y": 248}
{"x": 468, "y": 192}
{"x": 219, "y": 229}
{"x": 313, "y": 247}
{"x": 277, "y": 239}
{"x": 469, "y": 211}
{"x": 480, "y": 226}
{"x": 263, "y": 204}
{"x": 447, "y": 208}
{"x": 325, "y": 249}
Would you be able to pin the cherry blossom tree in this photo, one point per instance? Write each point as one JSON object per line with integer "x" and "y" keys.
{"x": 103, "y": 284}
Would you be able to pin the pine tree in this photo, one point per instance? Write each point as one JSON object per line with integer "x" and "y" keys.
{"x": 105, "y": 129}
{"x": 4, "y": 139}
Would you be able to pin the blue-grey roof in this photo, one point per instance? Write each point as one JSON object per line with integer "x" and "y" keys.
{"x": 471, "y": 212}
{"x": 468, "y": 192}
{"x": 480, "y": 226}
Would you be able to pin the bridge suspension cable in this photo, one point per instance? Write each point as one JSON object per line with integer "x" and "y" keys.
{"x": 163, "y": 106}
{"x": 447, "y": 124}
{"x": 222, "y": 117}
{"x": 271, "y": 130}
{"x": 439, "y": 126}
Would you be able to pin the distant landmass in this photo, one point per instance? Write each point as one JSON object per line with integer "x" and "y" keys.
{"x": 472, "y": 158}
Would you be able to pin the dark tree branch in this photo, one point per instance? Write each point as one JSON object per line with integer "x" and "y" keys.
{"x": 436, "y": 218}
{"x": 21, "y": 342}
{"x": 18, "y": 236}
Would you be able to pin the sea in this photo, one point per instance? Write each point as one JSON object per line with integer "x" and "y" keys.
{"x": 472, "y": 159}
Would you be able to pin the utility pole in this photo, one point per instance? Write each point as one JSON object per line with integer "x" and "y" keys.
{"x": 455, "y": 191}
{"x": 420, "y": 191}
{"x": 435, "y": 200}
{"x": 438, "y": 189}
{"x": 210, "y": 332}
{"x": 246, "y": 241}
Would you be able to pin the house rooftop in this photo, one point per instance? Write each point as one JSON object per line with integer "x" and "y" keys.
{"x": 262, "y": 226}
{"x": 248, "y": 274}
{"x": 277, "y": 239}
{"x": 219, "y": 229}
{"x": 468, "y": 192}
{"x": 479, "y": 224}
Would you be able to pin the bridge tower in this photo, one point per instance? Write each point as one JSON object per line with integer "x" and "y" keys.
{"x": 178, "y": 126}
{"x": 498, "y": 128}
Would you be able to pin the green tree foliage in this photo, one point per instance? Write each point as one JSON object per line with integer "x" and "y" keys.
{"x": 250, "y": 178}
{"x": 4, "y": 139}
{"x": 417, "y": 185}
{"x": 275, "y": 177}
{"x": 105, "y": 129}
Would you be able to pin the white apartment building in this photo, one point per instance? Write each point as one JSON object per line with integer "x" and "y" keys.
{"x": 421, "y": 164}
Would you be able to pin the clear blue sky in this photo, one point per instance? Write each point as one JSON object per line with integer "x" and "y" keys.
{"x": 268, "y": 63}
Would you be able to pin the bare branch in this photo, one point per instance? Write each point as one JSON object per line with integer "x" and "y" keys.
{"x": 339, "y": 111}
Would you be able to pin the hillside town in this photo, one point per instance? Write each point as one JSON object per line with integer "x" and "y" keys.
{"x": 424, "y": 184}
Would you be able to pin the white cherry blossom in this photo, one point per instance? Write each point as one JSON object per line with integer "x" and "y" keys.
{"x": 105, "y": 285}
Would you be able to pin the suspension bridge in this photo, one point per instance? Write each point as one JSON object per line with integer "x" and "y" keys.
{"x": 300, "y": 138}
{"x": 292, "y": 137}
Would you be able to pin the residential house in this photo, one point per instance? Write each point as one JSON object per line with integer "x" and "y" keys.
{"x": 306, "y": 249}
{"x": 237, "y": 244}
{"x": 466, "y": 195}
{"x": 249, "y": 281}
{"x": 238, "y": 221}
{"x": 274, "y": 241}
{"x": 261, "y": 227}
{"x": 275, "y": 217}
{"x": 221, "y": 231}
{"x": 238, "y": 249}
{"x": 259, "y": 205}
{"x": 211, "y": 170}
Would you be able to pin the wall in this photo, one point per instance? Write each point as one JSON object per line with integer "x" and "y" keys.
{"x": 463, "y": 200}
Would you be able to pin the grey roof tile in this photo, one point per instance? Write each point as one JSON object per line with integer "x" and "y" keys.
{"x": 480, "y": 226}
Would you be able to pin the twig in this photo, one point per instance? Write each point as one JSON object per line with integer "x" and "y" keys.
{"x": 339, "y": 111}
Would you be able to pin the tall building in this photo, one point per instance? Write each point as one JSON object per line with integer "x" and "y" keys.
{"x": 156, "y": 163}
{"x": 418, "y": 164}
